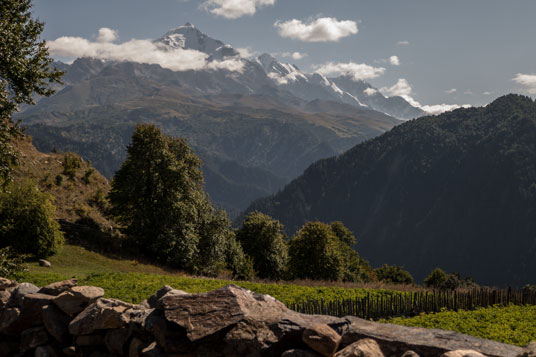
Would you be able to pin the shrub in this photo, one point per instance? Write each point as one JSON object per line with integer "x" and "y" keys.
{"x": 436, "y": 279}
{"x": 27, "y": 221}
{"x": 393, "y": 274}
{"x": 12, "y": 265}
{"x": 71, "y": 164}
{"x": 87, "y": 175}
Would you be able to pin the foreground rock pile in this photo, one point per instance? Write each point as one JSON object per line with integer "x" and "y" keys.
{"x": 64, "y": 319}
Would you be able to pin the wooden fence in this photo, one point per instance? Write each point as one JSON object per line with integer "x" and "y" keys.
{"x": 414, "y": 303}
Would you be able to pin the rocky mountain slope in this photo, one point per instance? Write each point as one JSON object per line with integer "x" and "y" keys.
{"x": 252, "y": 135}
{"x": 456, "y": 191}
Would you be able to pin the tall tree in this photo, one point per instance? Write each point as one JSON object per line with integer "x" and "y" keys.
{"x": 158, "y": 195}
{"x": 24, "y": 72}
{"x": 262, "y": 238}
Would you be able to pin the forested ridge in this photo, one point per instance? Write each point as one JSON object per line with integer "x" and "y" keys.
{"x": 456, "y": 190}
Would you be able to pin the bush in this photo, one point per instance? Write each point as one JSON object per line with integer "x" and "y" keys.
{"x": 71, "y": 164}
{"x": 393, "y": 274}
{"x": 262, "y": 239}
{"x": 438, "y": 279}
{"x": 27, "y": 221}
{"x": 12, "y": 265}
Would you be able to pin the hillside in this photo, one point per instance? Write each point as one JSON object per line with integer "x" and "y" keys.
{"x": 80, "y": 197}
{"x": 456, "y": 191}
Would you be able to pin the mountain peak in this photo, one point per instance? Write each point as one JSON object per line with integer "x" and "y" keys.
{"x": 188, "y": 37}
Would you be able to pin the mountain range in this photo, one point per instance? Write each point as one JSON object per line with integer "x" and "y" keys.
{"x": 456, "y": 191}
{"x": 254, "y": 130}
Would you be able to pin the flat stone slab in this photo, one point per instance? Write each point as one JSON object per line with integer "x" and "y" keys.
{"x": 424, "y": 341}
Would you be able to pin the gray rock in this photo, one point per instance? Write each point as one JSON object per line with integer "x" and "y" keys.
{"x": 117, "y": 339}
{"x": 30, "y": 311}
{"x": 20, "y": 291}
{"x": 166, "y": 290}
{"x": 394, "y": 339}
{"x": 32, "y": 338}
{"x": 8, "y": 316}
{"x": 529, "y": 351}
{"x": 366, "y": 347}
{"x": 5, "y": 297}
{"x": 322, "y": 339}
{"x": 56, "y": 323}
{"x": 59, "y": 287}
{"x": 75, "y": 300}
{"x": 410, "y": 353}
{"x": 45, "y": 351}
{"x": 45, "y": 263}
{"x": 90, "y": 341}
{"x": 6, "y": 283}
{"x": 101, "y": 315}
{"x": 249, "y": 338}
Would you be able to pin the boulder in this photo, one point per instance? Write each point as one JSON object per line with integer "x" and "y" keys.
{"x": 6, "y": 284}
{"x": 30, "y": 312}
{"x": 58, "y": 287}
{"x": 204, "y": 314}
{"x": 322, "y": 339}
{"x": 45, "y": 263}
{"x": 45, "y": 351}
{"x": 117, "y": 339}
{"x": 366, "y": 347}
{"x": 300, "y": 353}
{"x": 166, "y": 290}
{"x": 5, "y": 297}
{"x": 102, "y": 315}
{"x": 76, "y": 299}
{"x": 56, "y": 323}
{"x": 90, "y": 341}
{"x": 33, "y": 337}
{"x": 249, "y": 338}
{"x": 8, "y": 316}
{"x": 462, "y": 353}
{"x": 20, "y": 291}
{"x": 410, "y": 353}
{"x": 394, "y": 339}
{"x": 529, "y": 351}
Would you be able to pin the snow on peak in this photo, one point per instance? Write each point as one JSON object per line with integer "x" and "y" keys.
{"x": 188, "y": 37}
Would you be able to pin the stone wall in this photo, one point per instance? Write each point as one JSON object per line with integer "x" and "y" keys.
{"x": 64, "y": 319}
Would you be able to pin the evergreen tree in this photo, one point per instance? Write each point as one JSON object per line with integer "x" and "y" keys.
{"x": 263, "y": 240}
{"x": 24, "y": 71}
{"x": 158, "y": 195}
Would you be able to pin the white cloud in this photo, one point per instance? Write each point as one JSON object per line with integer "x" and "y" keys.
{"x": 233, "y": 9}
{"x": 526, "y": 80}
{"x": 107, "y": 35}
{"x": 358, "y": 71}
{"x": 293, "y": 55}
{"x": 402, "y": 43}
{"x": 403, "y": 89}
{"x": 370, "y": 91}
{"x": 394, "y": 60}
{"x": 324, "y": 29}
{"x": 142, "y": 51}
{"x": 450, "y": 91}
{"x": 246, "y": 52}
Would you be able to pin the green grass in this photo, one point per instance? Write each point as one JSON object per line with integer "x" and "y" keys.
{"x": 131, "y": 281}
{"x": 515, "y": 325}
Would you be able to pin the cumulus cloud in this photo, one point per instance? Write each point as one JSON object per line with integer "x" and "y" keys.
{"x": 293, "y": 55}
{"x": 233, "y": 9}
{"x": 370, "y": 91}
{"x": 402, "y": 43}
{"x": 324, "y": 29}
{"x": 358, "y": 71}
{"x": 246, "y": 52}
{"x": 526, "y": 80}
{"x": 142, "y": 51}
{"x": 107, "y": 35}
{"x": 450, "y": 91}
{"x": 403, "y": 89}
{"x": 394, "y": 60}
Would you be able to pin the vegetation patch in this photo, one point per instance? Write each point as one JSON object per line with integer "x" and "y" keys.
{"x": 511, "y": 324}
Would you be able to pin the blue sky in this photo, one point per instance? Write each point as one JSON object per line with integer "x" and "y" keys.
{"x": 452, "y": 52}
